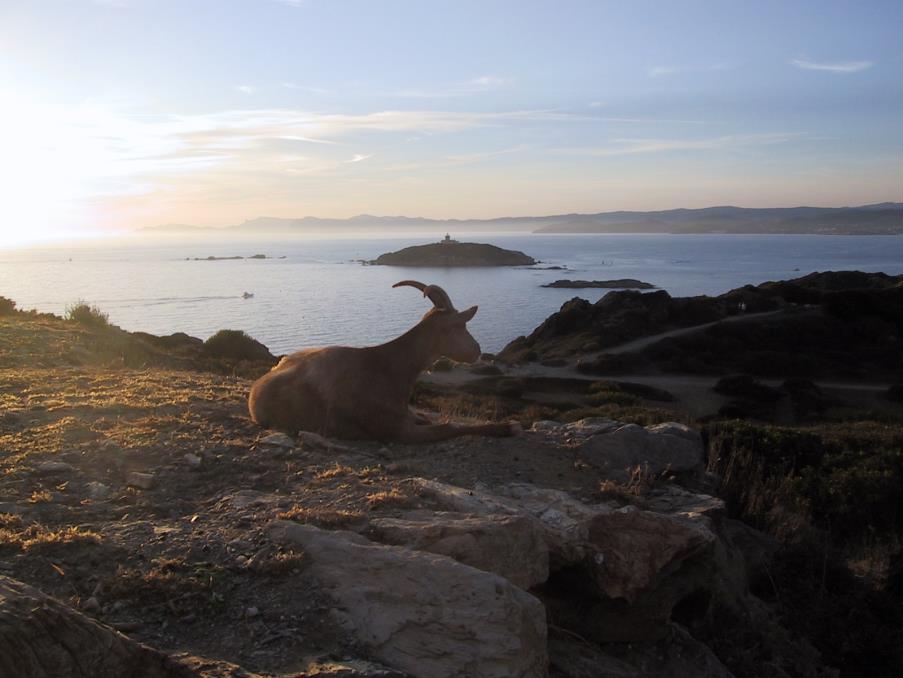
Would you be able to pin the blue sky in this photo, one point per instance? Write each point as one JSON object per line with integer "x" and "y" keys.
{"x": 123, "y": 113}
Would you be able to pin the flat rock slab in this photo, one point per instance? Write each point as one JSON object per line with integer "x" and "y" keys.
{"x": 510, "y": 546}
{"x": 422, "y": 613}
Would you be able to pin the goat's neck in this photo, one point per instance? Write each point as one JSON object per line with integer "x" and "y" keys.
{"x": 410, "y": 354}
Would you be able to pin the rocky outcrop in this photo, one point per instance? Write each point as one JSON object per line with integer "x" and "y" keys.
{"x": 42, "y": 638}
{"x": 619, "y": 284}
{"x": 616, "y": 318}
{"x": 508, "y": 545}
{"x": 629, "y": 567}
{"x": 669, "y": 447}
{"x": 423, "y": 613}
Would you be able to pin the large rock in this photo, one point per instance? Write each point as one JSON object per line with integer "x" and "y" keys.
{"x": 565, "y": 521}
{"x": 510, "y": 546}
{"x": 665, "y": 447}
{"x": 630, "y": 567}
{"x": 42, "y": 638}
{"x": 636, "y": 550}
{"x": 423, "y": 613}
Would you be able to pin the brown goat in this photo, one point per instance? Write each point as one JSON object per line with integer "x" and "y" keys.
{"x": 355, "y": 393}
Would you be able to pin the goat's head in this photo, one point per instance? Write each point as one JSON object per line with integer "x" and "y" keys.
{"x": 448, "y": 327}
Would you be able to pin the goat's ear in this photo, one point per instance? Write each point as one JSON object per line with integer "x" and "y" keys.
{"x": 468, "y": 314}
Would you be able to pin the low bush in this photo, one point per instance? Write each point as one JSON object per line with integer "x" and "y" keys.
{"x": 236, "y": 345}
{"x": 7, "y": 306}
{"x": 87, "y": 315}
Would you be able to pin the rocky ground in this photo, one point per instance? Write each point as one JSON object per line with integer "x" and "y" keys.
{"x": 183, "y": 540}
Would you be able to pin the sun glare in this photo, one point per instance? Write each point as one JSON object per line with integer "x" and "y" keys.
{"x": 47, "y": 168}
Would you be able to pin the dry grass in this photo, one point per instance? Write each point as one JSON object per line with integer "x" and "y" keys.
{"x": 328, "y": 518}
{"x": 637, "y": 486}
{"x": 391, "y": 498}
{"x": 36, "y": 537}
{"x": 334, "y": 472}
{"x": 281, "y": 564}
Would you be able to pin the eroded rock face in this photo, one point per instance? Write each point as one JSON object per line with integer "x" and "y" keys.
{"x": 422, "y": 613}
{"x": 665, "y": 447}
{"x": 42, "y": 638}
{"x": 629, "y": 567}
{"x": 510, "y": 546}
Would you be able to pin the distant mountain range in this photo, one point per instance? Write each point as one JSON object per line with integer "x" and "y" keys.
{"x": 880, "y": 219}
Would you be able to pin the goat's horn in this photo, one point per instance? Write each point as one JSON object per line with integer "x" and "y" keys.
{"x": 436, "y": 294}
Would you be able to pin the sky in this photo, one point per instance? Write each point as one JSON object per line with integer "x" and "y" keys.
{"x": 119, "y": 114}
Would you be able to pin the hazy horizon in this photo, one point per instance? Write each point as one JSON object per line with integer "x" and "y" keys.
{"x": 122, "y": 114}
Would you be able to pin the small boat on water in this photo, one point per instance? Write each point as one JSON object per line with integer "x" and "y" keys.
{"x": 247, "y": 295}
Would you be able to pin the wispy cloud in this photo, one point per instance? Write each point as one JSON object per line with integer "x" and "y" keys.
{"x": 636, "y": 146}
{"x": 358, "y": 157}
{"x": 666, "y": 70}
{"x": 467, "y": 158}
{"x": 832, "y": 67}
{"x": 306, "y": 88}
{"x": 484, "y": 83}
{"x": 245, "y": 89}
{"x": 659, "y": 71}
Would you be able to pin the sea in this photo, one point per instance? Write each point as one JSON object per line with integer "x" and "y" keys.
{"x": 314, "y": 291}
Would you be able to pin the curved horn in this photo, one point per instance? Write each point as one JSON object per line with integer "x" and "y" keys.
{"x": 436, "y": 294}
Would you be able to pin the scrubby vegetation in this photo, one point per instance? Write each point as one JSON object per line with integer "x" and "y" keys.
{"x": 236, "y": 345}
{"x": 88, "y": 315}
{"x": 7, "y": 306}
{"x": 833, "y": 497}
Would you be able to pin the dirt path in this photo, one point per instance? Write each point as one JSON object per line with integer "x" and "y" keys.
{"x": 639, "y": 344}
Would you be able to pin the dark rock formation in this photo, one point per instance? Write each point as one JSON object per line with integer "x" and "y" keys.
{"x": 620, "y": 284}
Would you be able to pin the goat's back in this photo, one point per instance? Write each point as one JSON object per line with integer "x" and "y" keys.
{"x": 308, "y": 390}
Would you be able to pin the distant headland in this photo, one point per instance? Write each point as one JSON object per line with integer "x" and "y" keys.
{"x": 449, "y": 252}
{"x": 884, "y": 218}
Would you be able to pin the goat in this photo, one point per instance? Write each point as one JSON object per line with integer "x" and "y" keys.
{"x": 364, "y": 393}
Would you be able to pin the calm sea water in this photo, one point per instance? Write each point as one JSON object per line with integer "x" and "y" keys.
{"x": 319, "y": 295}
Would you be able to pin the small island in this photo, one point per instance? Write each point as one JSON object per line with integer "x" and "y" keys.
{"x": 233, "y": 258}
{"x": 620, "y": 284}
{"x": 448, "y": 252}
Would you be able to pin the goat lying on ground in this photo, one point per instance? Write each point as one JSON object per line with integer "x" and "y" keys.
{"x": 358, "y": 393}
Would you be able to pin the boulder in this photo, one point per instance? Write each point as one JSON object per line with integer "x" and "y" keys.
{"x": 636, "y": 550}
{"x": 423, "y": 613}
{"x": 662, "y": 448}
{"x": 510, "y": 546}
{"x": 42, "y": 638}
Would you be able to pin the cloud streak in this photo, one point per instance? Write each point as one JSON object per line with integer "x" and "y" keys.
{"x": 484, "y": 83}
{"x": 833, "y": 67}
{"x": 641, "y": 146}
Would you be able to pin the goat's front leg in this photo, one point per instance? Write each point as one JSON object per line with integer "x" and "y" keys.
{"x": 421, "y": 418}
{"x": 431, "y": 433}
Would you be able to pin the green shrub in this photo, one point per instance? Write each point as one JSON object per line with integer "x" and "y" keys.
{"x": 236, "y": 345}
{"x": 7, "y": 306}
{"x": 87, "y": 315}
